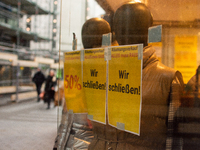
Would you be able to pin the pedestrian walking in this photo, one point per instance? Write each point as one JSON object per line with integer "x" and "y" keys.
{"x": 50, "y": 88}
{"x": 38, "y": 79}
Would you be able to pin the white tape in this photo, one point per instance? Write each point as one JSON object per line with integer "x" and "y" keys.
{"x": 82, "y": 55}
{"x": 107, "y": 53}
{"x": 140, "y": 51}
{"x": 90, "y": 117}
{"x": 70, "y": 111}
{"x": 120, "y": 126}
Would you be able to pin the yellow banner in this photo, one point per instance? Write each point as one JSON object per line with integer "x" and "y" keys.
{"x": 185, "y": 43}
{"x": 185, "y": 58}
{"x": 124, "y": 90}
{"x": 94, "y": 84}
{"x": 73, "y": 87}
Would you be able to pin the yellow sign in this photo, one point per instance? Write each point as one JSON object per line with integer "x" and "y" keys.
{"x": 94, "y": 84}
{"x": 124, "y": 90}
{"x": 185, "y": 59}
{"x": 73, "y": 87}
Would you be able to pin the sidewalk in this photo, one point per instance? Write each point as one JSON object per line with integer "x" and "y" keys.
{"x": 28, "y": 126}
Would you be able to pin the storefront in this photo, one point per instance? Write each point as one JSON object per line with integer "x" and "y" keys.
{"x": 131, "y": 77}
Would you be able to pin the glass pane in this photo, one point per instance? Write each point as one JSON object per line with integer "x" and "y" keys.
{"x": 161, "y": 111}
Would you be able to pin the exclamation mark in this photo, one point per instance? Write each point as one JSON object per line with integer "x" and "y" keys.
{"x": 139, "y": 90}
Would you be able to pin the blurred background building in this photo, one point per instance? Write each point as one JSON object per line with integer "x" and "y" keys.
{"x": 29, "y": 38}
{"x": 74, "y": 15}
{"x": 28, "y": 28}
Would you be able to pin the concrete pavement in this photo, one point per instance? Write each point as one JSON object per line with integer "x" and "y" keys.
{"x": 28, "y": 126}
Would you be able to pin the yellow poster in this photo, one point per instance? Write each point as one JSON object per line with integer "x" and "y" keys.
{"x": 94, "y": 84}
{"x": 185, "y": 59}
{"x": 124, "y": 90}
{"x": 73, "y": 87}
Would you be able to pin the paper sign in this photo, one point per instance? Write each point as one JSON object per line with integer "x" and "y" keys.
{"x": 125, "y": 88}
{"x": 185, "y": 58}
{"x": 73, "y": 87}
{"x": 94, "y": 84}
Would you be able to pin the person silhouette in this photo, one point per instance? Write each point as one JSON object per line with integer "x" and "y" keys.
{"x": 50, "y": 85}
{"x": 38, "y": 79}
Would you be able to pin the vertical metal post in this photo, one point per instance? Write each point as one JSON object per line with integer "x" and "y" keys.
{"x": 35, "y": 26}
{"x": 49, "y": 23}
{"x": 18, "y": 46}
{"x": 58, "y": 112}
{"x": 17, "y": 82}
{"x": 54, "y": 24}
{"x": 52, "y": 35}
{"x": 86, "y": 5}
{"x": 18, "y": 26}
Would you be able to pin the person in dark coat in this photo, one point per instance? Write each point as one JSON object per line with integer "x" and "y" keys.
{"x": 38, "y": 79}
{"x": 50, "y": 88}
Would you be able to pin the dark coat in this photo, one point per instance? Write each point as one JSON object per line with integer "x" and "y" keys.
{"x": 50, "y": 82}
{"x": 38, "y": 78}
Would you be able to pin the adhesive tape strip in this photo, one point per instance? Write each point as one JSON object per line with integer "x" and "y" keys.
{"x": 120, "y": 126}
